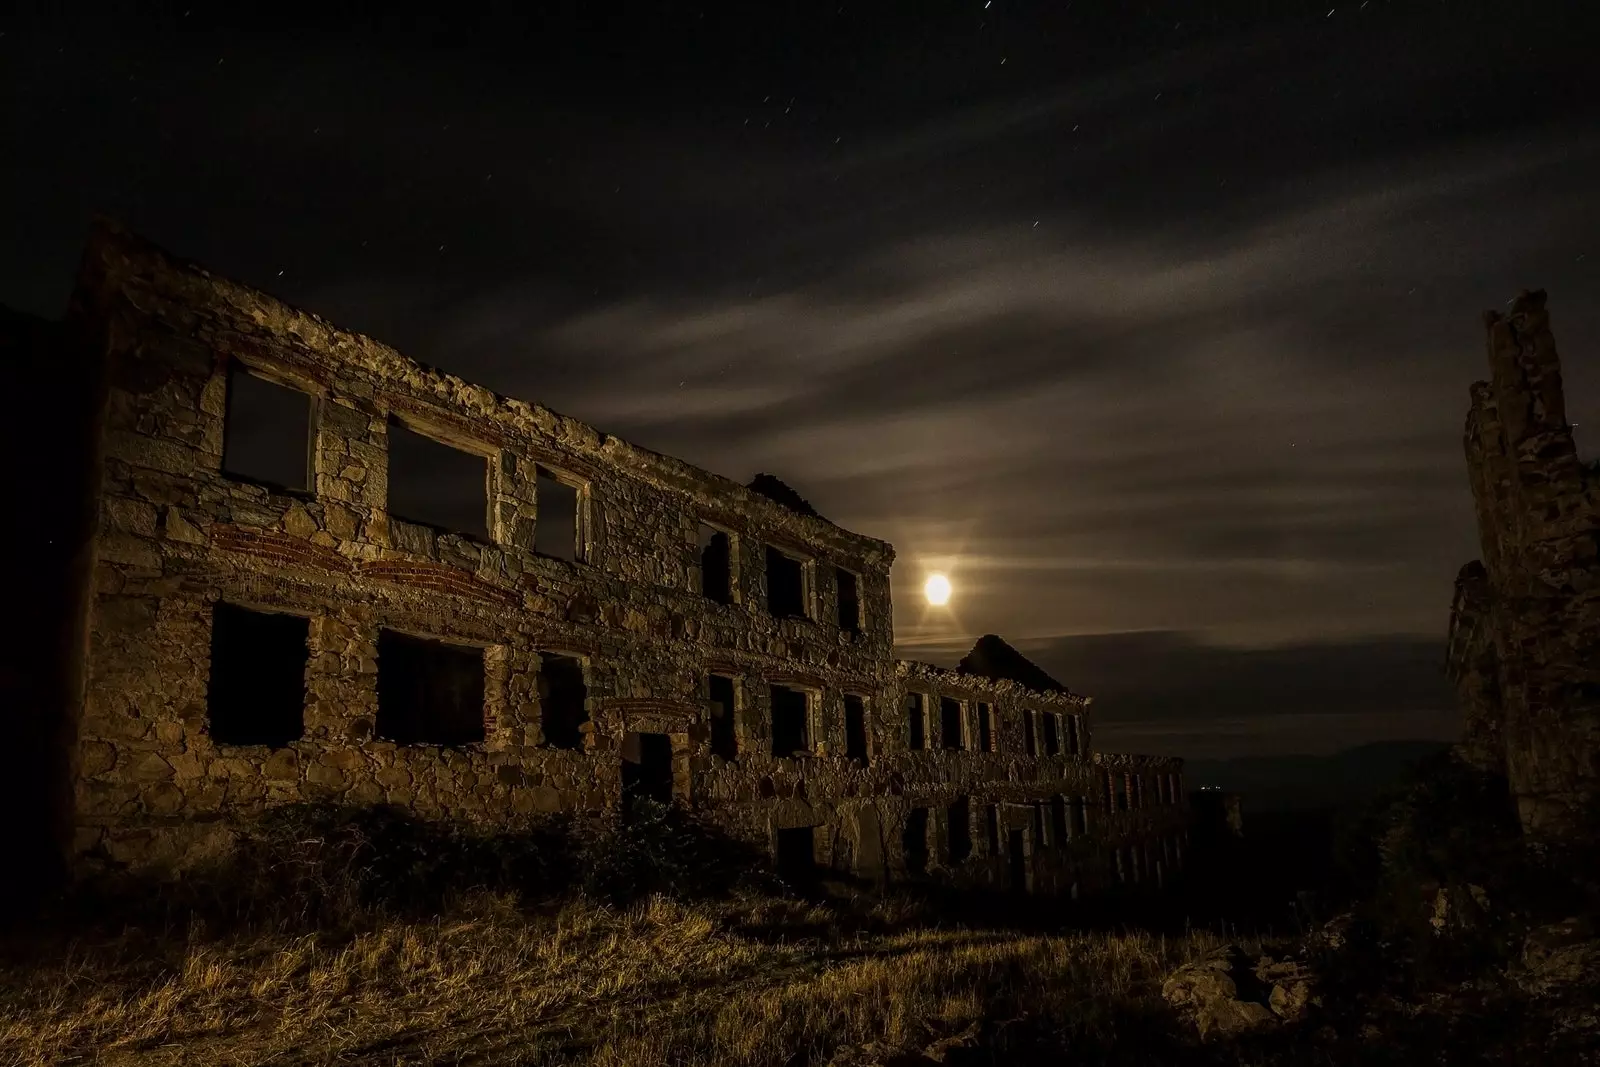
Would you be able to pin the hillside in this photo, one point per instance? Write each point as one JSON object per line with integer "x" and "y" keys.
{"x": 1305, "y": 782}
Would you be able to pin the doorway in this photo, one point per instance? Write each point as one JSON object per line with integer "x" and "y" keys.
{"x": 647, "y": 767}
{"x": 1017, "y": 858}
{"x": 797, "y": 856}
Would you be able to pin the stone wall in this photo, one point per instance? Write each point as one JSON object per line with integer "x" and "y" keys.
{"x": 178, "y": 535}
{"x": 1525, "y": 626}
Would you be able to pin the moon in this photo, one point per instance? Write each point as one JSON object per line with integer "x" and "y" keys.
{"x": 937, "y": 590}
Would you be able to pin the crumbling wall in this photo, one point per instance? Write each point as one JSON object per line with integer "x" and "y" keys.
{"x": 177, "y": 535}
{"x": 1533, "y": 617}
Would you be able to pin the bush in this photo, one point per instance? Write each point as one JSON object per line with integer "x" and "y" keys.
{"x": 319, "y": 867}
{"x": 1446, "y": 881}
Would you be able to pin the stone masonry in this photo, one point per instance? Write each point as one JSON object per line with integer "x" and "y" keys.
{"x": 691, "y": 637}
{"x": 1524, "y": 642}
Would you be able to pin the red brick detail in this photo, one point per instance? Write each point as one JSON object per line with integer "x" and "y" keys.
{"x": 277, "y": 548}
{"x": 437, "y": 578}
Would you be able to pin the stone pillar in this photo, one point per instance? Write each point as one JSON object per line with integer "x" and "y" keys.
{"x": 1544, "y": 599}
{"x": 351, "y": 468}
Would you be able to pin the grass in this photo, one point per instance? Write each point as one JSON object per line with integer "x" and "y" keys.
{"x": 659, "y": 982}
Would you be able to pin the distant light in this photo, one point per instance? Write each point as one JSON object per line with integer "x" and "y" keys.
{"x": 937, "y": 590}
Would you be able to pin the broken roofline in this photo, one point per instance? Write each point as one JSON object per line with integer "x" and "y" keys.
{"x": 133, "y": 263}
{"x": 946, "y": 679}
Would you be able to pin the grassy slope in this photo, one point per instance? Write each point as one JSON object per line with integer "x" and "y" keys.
{"x": 757, "y": 981}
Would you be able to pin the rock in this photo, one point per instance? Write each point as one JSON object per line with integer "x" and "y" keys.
{"x": 1208, "y": 992}
{"x": 1558, "y": 956}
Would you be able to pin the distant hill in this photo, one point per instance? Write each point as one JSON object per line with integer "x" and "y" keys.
{"x": 1302, "y": 783}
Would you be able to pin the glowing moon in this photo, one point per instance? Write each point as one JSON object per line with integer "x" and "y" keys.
{"x": 937, "y": 590}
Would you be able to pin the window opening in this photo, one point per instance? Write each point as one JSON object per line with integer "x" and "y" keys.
{"x": 786, "y": 592}
{"x": 429, "y": 692}
{"x": 855, "y": 728}
{"x": 563, "y": 700}
{"x": 959, "y": 817}
{"x": 556, "y": 526}
{"x": 437, "y": 485}
{"x": 849, "y": 601}
{"x": 790, "y": 709}
{"x": 716, "y": 564}
{"x": 950, "y": 732}
{"x": 257, "y": 689}
{"x": 916, "y": 723}
{"x": 266, "y": 432}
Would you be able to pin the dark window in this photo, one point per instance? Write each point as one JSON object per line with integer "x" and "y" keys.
{"x": 789, "y": 715}
{"x": 1136, "y": 790}
{"x": 950, "y": 732}
{"x": 915, "y": 840}
{"x": 436, "y": 485}
{"x": 1019, "y": 861}
{"x": 959, "y": 818}
{"x": 257, "y": 691}
{"x": 1080, "y": 816}
{"x": 1074, "y": 742}
{"x": 855, "y": 728}
{"x": 797, "y": 854}
{"x": 849, "y": 602}
{"x": 266, "y": 433}
{"x": 1030, "y": 738}
{"x": 555, "y": 529}
{"x": 1125, "y": 796}
{"x": 1058, "y": 818}
{"x": 1052, "y": 734}
{"x": 429, "y": 692}
{"x": 991, "y": 822}
{"x": 786, "y": 587}
{"x": 985, "y": 729}
{"x": 724, "y": 741}
{"x": 647, "y": 767}
{"x": 563, "y": 700}
{"x": 1039, "y": 835}
{"x": 916, "y": 723}
{"x": 716, "y": 565}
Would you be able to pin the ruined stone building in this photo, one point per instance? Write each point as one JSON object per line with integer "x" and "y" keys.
{"x": 266, "y": 604}
{"x": 1524, "y": 642}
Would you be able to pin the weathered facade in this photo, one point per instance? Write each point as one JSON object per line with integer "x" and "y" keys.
{"x": 279, "y": 613}
{"x": 1524, "y": 643}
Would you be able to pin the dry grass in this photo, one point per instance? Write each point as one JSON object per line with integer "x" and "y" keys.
{"x": 659, "y": 983}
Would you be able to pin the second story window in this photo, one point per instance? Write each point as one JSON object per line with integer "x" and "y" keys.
{"x": 855, "y": 728}
{"x": 558, "y": 526}
{"x": 916, "y": 723}
{"x": 1030, "y": 738}
{"x": 1052, "y": 734}
{"x": 849, "y": 601}
{"x": 716, "y": 564}
{"x": 266, "y": 433}
{"x": 786, "y": 585}
{"x": 437, "y": 485}
{"x": 985, "y": 728}
{"x": 951, "y": 732}
{"x": 791, "y": 721}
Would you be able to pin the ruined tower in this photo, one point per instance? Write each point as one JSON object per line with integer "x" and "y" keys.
{"x": 1525, "y": 624}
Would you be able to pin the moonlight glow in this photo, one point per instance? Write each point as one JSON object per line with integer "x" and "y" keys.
{"x": 937, "y": 590}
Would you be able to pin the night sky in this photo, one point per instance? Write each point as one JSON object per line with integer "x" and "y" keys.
{"x": 1151, "y": 323}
